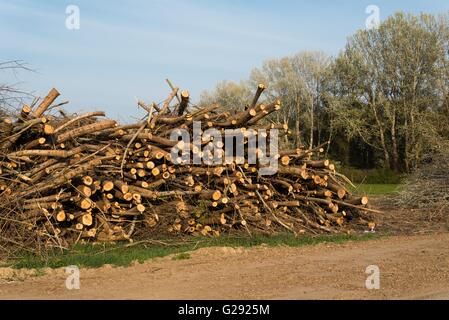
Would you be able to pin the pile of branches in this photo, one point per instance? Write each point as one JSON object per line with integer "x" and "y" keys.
{"x": 428, "y": 186}
{"x": 65, "y": 178}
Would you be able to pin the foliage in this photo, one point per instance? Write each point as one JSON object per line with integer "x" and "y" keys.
{"x": 380, "y": 103}
{"x": 388, "y": 88}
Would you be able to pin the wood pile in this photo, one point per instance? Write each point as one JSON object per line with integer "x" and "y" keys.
{"x": 65, "y": 177}
{"x": 428, "y": 186}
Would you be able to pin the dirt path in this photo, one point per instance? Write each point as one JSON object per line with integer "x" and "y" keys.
{"x": 410, "y": 267}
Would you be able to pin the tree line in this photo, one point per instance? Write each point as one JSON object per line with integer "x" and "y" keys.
{"x": 383, "y": 101}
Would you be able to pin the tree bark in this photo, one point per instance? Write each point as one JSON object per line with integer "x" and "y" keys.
{"x": 297, "y": 124}
{"x": 381, "y": 135}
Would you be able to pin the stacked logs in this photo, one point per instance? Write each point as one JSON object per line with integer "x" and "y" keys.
{"x": 69, "y": 177}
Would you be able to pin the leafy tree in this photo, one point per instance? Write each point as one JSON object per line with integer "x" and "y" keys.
{"x": 387, "y": 87}
{"x": 381, "y": 102}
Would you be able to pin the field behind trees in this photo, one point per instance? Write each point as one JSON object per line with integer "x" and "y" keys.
{"x": 382, "y": 102}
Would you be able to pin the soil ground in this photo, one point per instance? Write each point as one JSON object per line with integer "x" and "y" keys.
{"x": 414, "y": 264}
{"x": 411, "y": 267}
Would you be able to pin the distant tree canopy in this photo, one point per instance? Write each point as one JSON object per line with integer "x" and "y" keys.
{"x": 229, "y": 95}
{"x": 382, "y": 102}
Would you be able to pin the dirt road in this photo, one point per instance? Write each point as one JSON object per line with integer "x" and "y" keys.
{"x": 410, "y": 267}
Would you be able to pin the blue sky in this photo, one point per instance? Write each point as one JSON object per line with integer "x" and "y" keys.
{"x": 125, "y": 49}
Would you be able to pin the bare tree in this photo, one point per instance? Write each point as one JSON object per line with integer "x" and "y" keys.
{"x": 10, "y": 94}
{"x": 298, "y": 81}
{"x": 229, "y": 95}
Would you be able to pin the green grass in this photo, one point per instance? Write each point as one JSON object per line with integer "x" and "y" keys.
{"x": 375, "y": 189}
{"x": 182, "y": 256}
{"x": 371, "y": 176}
{"x": 91, "y": 255}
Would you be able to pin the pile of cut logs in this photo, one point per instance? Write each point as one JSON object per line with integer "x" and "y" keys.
{"x": 65, "y": 177}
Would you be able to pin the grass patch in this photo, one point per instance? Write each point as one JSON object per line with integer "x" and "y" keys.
{"x": 95, "y": 255}
{"x": 182, "y": 256}
{"x": 375, "y": 189}
{"x": 372, "y": 176}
